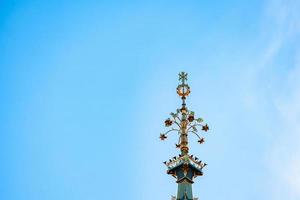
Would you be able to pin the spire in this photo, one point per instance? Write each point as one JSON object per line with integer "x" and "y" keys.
{"x": 185, "y": 167}
{"x": 183, "y": 121}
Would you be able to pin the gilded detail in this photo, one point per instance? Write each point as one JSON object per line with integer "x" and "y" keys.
{"x": 183, "y": 121}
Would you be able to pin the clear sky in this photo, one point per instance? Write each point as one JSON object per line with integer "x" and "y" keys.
{"x": 85, "y": 87}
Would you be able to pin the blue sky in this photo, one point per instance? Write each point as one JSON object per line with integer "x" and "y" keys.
{"x": 86, "y": 85}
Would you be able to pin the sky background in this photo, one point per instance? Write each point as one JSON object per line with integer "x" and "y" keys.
{"x": 85, "y": 87}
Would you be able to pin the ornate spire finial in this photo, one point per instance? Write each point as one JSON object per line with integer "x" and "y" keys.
{"x": 184, "y": 167}
{"x": 184, "y": 120}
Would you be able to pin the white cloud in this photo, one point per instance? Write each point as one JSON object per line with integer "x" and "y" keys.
{"x": 283, "y": 158}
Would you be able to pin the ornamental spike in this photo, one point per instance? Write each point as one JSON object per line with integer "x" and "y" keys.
{"x": 183, "y": 121}
{"x": 185, "y": 167}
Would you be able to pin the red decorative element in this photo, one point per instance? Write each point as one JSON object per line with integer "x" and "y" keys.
{"x": 201, "y": 141}
{"x": 191, "y": 118}
{"x": 205, "y": 128}
{"x": 168, "y": 122}
{"x": 163, "y": 136}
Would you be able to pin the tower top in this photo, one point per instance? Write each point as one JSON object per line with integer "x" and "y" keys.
{"x": 185, "y": 167}
{"x": 183, "y": 121}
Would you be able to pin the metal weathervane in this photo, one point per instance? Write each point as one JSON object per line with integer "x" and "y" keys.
{"x": 184, "y": 167}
